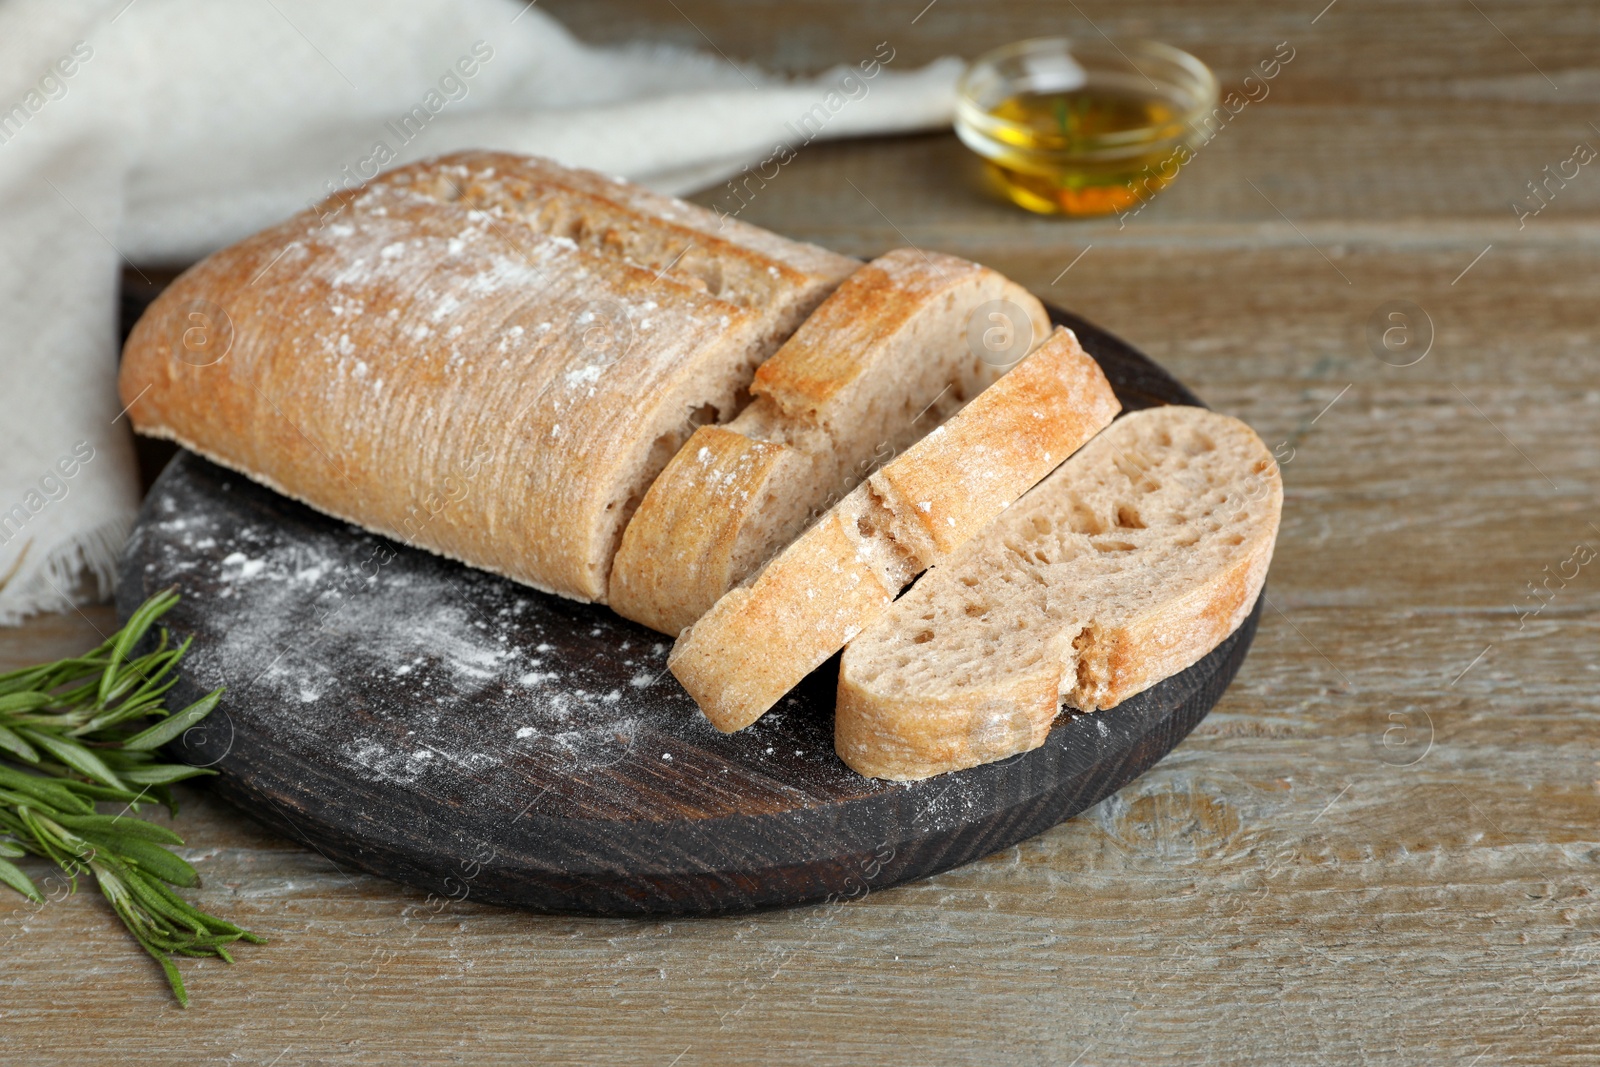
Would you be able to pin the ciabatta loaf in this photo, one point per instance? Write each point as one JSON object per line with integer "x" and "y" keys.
{"x": 761, "y": 638}
{"x": 485, "y": 355}
{"x": 885, "y": 359}
{"x": 1128, "y": 564}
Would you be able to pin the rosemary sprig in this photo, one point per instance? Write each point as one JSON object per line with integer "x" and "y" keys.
{"x": 74, "y": 734}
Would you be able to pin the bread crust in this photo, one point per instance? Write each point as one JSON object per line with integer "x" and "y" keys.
{"x": 484, "y": 355}
{"x": 758, "y": 641}
{"x": 1091, "y": 656}
{"x": 876, "y": 366}
{"x": 969, "y": 470}
{"x": 916, "y": 737}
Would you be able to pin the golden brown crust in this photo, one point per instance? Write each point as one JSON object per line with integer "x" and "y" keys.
{"x": 818, "y": 361}
{"x": 868, "y": 311}
{"x": 719, "y": 481}
{"x": 969, "y": 470}
{"x": 877, "y": 365}
{"x": 760, "y": 640}
{"x": 1163, "y": 643}
{"x": 438, "y": 358}
{"x": 909, "y": 738}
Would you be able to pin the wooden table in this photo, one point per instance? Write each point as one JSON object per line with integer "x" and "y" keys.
{"x": 1382, "y": 846}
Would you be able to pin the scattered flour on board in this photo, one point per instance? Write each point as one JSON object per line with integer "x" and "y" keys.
{"x": 415, "y": 659}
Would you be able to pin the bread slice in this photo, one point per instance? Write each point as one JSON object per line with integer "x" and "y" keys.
{"x": 1128, "y": 564}
{"x": 484, "y": 355}
{"x": 884, "y": 360}
{"x": 761, "y": 638}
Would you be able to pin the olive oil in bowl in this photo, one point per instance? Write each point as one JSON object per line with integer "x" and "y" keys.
{"x": 1075, "y": 129}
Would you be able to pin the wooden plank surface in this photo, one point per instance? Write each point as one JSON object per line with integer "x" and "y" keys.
{"x": 1287, "y": 887}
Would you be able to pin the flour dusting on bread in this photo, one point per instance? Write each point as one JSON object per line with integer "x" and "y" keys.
{"x": 484, "y": 355}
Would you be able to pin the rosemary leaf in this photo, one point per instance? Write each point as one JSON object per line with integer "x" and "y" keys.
{"x": 170, "y": 728}
{"x": 12, "y": 876}
{"x": 103, "y": 825}
{"x": 17, "y": 746}
{"x": 77, "y": 757}
{"x": 79, "y": 732}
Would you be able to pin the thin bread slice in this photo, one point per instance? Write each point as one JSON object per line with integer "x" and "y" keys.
{"x": 1128, "y": 564}
{"x": 881, "y": 362}
{"x": 484, "y": 355}
{"x": 762, "y": 638}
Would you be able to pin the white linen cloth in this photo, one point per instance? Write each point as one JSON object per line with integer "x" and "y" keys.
{"x": 155, "y": 131}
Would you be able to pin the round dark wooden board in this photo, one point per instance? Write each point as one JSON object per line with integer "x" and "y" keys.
{"x": 467, "y": 735}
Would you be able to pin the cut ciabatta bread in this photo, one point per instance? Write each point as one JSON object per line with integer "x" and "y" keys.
{"x": 880, "y": 363}
{"x": 761, "y": 638}
{"x": 484, "y": 355}
{"x": 1128, "y": 564}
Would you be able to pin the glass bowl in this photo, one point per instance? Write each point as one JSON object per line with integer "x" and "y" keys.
{"x": 1075, "y": 126}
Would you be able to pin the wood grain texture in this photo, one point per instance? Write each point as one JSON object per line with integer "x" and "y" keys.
{"x": 1282, "y": 890}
